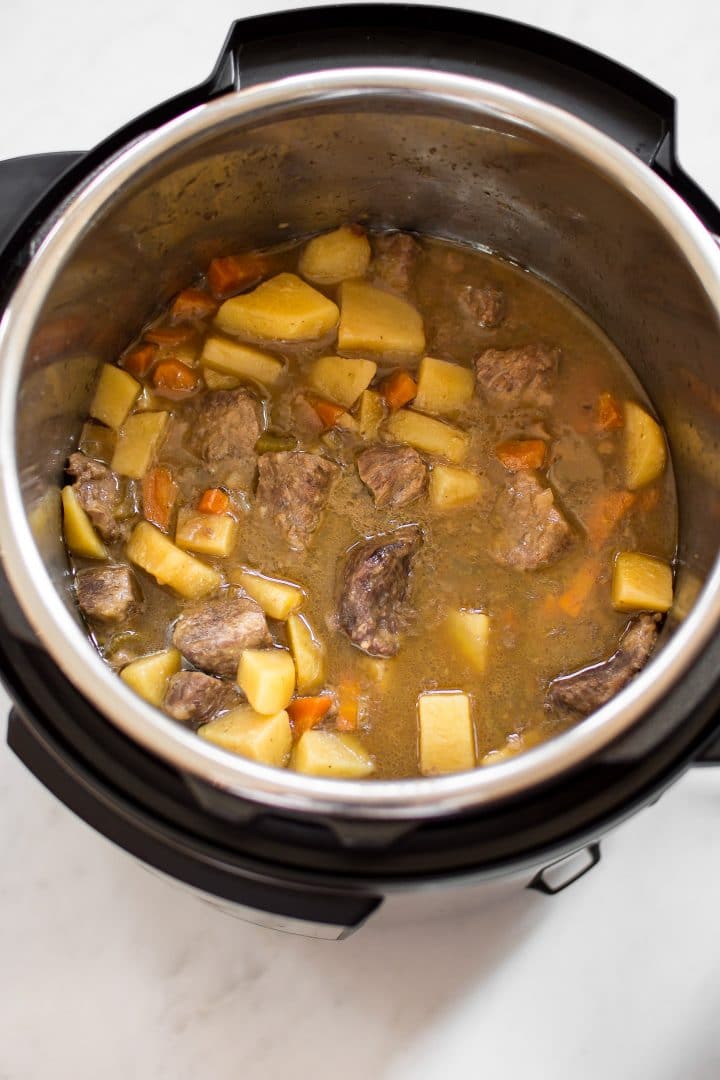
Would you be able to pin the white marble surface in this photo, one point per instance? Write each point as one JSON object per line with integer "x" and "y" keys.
{"x": 106, "y": 971}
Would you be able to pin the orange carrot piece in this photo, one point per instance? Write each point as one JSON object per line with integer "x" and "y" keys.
{"x": 172, "y": 378}
{"x": 169, "y": 335}
{"x": 574, "y": 597}
{"x": 609, "y": 413}
{"x": 214, "y": 501}
{"x": 193, "y": 304}
{"x": 159, "y": 494}
{"x": 231, "y": 273}
{"x": 328, "y": 411}
{"x": 516, "y": 454}
{"x": 139, "y": 360}
{"x": 648, "y": 499}
{"x": 306, "y": 712}
{"x": 348, "y": 705}
{"x": 398, "y": 389}
{"x": 605, "y": 515}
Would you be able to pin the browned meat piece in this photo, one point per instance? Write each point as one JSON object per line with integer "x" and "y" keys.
{"x": 395, "y": 475}
{"x": 483, "y": 304}
{"x": 585, "y": 691}
{"x": 228, "y": 425}
{"x": 372, "y": 608}
{"x": 108, "y": 593}
{"x": 530, "y": 530}
{"x": 508, "y": 377}
{"x": 293, "y": 489}
{"x": 213, "y": 634}
{"x": 395, "y": 257}
{"x": 194, "y": 697}
{"x": 99, "y": 494}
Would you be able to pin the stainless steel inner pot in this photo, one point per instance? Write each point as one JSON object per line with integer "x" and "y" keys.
{"x": 446, "y": 155}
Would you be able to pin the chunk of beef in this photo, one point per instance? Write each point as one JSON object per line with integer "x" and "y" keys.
{"x": 508, "y": 377}
{"x": 108, "y": 594}
{"x": 228, "y": 425}
{"x": 293, "y": 490}
{"x": 395, "y": 257}
{"x": 372, "y": 609}
{"x": 530, "y": 530}
{"x": 194, "y": 697}
{"x": 483, "y": 304}
{"x": 395, "y": 475}
{"x": 585, "y": 691}
{"x": 213, "y": 634}
{"x": 98, "y": 492}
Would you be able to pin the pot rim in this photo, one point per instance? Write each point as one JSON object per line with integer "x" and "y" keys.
{"x": 65, "y": 640}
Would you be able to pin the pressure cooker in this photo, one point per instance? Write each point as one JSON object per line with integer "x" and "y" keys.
{"x": 458, "y": 125}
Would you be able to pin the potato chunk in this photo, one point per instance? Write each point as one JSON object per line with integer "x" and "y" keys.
{"x": 371, "y": 414}
{"x": 206, "y": 534}
{"x": 137, "y": 443}
{"x": 277, "y": 598}
{"x": 451, "y": 487}
{"x": 285, "y": 308}
{"x": 645, "y": 453}
{"x": 469, "y": 632}
{"x": 242, "y": 361}
{"x": 80, "y": 534}
{"x": 447, "y": 739}
{"x": 375, "y": 321}
{"x": 335, "y": 256}
{"x": 326, "y": 753}
{"x": 114, "y": 395}
{"x": 443, "y": 387}
{"x": 341, "y": 379}
{"x": 641, "y": 583}
{"x": 428, "y": 435}
{"x": 308, "y": 653}
{"x": 153, "y": 552}
{"x": 149, "y": 675}
{"x": 267, "y": 678}
{"x": 267, "y": 739}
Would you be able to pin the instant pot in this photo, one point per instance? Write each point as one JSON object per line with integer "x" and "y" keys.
{"x": 458, "y": 125}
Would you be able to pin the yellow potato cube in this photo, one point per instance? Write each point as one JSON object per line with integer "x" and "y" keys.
{"x": 308, "y": 653}
{"x": 326, "y": 753}
{"x": 375, "y": 321}
{"x": 428, "y": 435}
{"x": 267, "y": 678}
{"x": 137, "y": 444}
{"x": 469, "y": 632}
{"x": 267, "y": 739}
{"x": 443, "y": 387}
{"x": 371, "y": 414}
{"x": 114, "y": 395}
{"x": 341, "y": 379}
{"x": 335, "y": 256}
{"x": 450, "y": 487}
{"x": 645, "y": 453}
{"x": 447, "y": 739}
{"x": 242, "y": 361}
{"x": 641, "y": 583}
{"x": 285, "y": 308}
{"x": 80, "y": 534}
{"x": 149, "y": 675}
{"x": 206, "y": 534}
{"x": 278, "y": 599}
{"x": 153, "y": 552}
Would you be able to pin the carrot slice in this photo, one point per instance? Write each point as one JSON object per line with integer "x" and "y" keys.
{"x": 398, "y": 389}
{"x": 169, "y": 335}
{"x": 231, "y": 273}
{"x": 193, "y": 304}
{"x": 306, "y": 712}
{"x": 574, "y": 597}
{"x": 605, "y": 515}
{"x": 328, "y": 411}
{"x": 140, "y": 359}
{"x": 159, "y": 494}
{"x": 609, "y": 413}
{"x": 348, "y": 705}
{"x": 214, "y": 501}
{"x": 516, "y": 454}
{"x": 174, "y": 379}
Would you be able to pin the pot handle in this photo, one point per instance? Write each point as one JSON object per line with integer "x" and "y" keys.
{"x": 612, "y": 98}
